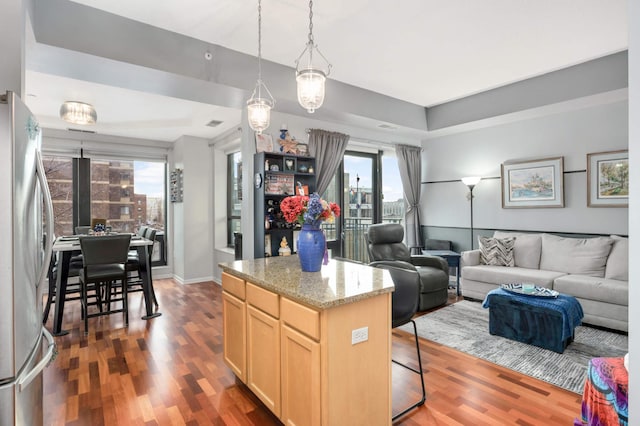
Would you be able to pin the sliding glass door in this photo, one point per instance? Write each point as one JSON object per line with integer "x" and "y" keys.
{"x": 368, "y": 189}
{"x": 356, "y": 189}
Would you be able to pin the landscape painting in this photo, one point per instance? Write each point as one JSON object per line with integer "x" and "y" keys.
{"x": 537, "y": 183}
{"x": 531, "y": 184}
{"x": 608, "y": 179}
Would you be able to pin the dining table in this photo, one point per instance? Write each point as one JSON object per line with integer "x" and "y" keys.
{"x": 66, "y": 246}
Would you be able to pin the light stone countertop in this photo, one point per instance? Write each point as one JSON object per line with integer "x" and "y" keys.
{"x": 335, "y": 284}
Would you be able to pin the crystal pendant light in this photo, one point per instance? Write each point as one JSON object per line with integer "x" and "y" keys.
{"x": 78, "y": 113}
{"x": 311, "y": 78}
{"x": 259, "y": 108}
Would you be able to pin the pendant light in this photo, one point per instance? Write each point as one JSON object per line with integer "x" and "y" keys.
{"x": 259, "y": 108}
{"x": 311, "y": 78}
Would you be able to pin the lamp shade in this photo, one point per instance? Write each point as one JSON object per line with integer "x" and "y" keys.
{"x": 259, "y": 113}
{"x": 471, "y": 181}
{"x": 78, "y": 113}
{"x": 311, "y": 88}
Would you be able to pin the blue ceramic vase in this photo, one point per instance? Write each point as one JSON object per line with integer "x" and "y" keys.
{"x": 311, "y": 245}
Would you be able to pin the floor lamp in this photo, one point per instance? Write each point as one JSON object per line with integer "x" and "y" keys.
{"x": 471, "y": 182}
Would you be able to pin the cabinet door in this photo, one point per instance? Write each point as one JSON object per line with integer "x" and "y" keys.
{"x": 234, "y": 331}
{"x": 300, "y": 379}
{"x": 263, "y": 352}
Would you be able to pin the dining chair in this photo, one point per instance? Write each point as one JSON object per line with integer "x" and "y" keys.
{"x": 404, "y": 305}
{"x": 104, "y": 265}
{"x": 134, "y": 264}
{"x": 82, "y": 229}
{"x": 73, "y": 289}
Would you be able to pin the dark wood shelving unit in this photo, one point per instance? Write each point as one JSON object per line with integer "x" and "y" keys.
{"x": 278, "y": 176}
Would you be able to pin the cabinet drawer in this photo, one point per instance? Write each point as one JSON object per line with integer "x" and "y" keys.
{"x": 233, "y": 285}
{"x": 303, "y": 319}
{"x": 263, "y": 299}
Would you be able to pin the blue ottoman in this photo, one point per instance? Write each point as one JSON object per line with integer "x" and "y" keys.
{"x": 547, "y": 322}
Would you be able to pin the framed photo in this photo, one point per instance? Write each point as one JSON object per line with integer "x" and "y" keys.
{"x": 608, "y": 179}
{"x": 533, "y": 183}
{"x": 264, "y": 143}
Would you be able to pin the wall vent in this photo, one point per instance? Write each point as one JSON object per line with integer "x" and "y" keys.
{"x": 71, "y": 129}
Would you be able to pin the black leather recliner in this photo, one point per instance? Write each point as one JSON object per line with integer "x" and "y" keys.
{"x": 384, "y": 242}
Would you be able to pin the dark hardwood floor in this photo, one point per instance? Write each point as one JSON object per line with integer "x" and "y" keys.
{"x": 169, "y": 371}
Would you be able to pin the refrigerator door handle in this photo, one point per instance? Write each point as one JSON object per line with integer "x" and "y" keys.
{"x": 48, "y": 207}
{"x": 52, "y": 352}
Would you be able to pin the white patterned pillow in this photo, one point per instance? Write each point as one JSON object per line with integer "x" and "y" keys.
{"x": 496, "y": 251}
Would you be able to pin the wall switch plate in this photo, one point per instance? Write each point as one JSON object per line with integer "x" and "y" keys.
{"x": 359, "y": 335}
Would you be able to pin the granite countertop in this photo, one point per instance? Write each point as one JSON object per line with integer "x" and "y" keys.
{"x": 335, "y": 284}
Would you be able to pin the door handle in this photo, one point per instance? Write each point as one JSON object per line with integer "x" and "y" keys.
{"x": 48, "y": 208}
{"x": 52, "y": 352}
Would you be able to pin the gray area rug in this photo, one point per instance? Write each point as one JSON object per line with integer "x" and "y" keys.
{"x": 464, "y": 326}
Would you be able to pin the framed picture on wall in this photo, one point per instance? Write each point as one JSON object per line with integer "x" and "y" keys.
{"x": 533, "y": 183}
{"x": 264, "y": 142}
{"x": 608, "y": 179}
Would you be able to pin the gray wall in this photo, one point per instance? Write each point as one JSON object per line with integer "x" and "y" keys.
{"x": 568, "y": 133}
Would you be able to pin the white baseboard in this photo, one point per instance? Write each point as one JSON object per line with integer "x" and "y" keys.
{"x": 179, "y": 280}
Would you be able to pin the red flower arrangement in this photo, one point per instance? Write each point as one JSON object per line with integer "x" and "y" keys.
{"x": 310, "y": 210}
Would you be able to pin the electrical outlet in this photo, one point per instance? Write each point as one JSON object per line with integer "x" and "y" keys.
{"x": 359, "y": 335}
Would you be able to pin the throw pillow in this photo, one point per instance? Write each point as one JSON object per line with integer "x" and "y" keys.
{"x": 618, "y": 261}
{"x": 526, "y": 249}
{"x": 496, "y": 251}
{"x": 581, "y": 256}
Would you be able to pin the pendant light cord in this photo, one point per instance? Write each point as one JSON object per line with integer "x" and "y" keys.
{"x": 259, "y": 43}
{"x": 311, "y": 22}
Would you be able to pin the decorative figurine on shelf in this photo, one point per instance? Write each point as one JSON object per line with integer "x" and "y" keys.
{"x": 284, "y": 249}
{"x": 288, "y": 163}
{"x": 288, "y": 145}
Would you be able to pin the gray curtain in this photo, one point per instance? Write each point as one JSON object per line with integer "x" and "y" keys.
{"x": 410, "y": 165}
{"x": 328, "y": 148}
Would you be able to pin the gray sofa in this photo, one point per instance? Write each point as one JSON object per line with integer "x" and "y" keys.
{"x": 594, "y": 270}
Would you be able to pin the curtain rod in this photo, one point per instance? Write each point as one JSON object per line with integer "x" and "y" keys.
{"x": 389, "y": 144}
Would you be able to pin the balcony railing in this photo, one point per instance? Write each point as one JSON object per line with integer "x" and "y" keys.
{"x": 355, "y": 244}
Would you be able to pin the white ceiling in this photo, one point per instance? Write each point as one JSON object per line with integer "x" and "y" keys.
{"x": 422, "y": 51}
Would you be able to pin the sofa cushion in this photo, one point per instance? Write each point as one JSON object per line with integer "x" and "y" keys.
{"x": 594, "y": 288}
{"x": 618, "y": 260}
{"x": 526, "y": 249}
{"x": 582, "y": 256}
{"x": 496, "y": 251}
{"x": 500, "y": 275}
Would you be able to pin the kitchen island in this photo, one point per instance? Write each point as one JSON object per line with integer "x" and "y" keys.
{"x": 315, "y": 347}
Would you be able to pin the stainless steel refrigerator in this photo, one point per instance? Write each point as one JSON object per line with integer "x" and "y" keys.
{"x": 26, "y": 238}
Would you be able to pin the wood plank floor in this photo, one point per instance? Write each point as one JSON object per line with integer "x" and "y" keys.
{"x": 169, "y": 371}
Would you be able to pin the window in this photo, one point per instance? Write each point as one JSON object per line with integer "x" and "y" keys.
{"x": 143, "y": 182}
{"x": 234, "y": 196}
{"x": 59, "y": 172}
{"x": 393, "y": 205}
{"x": 145, "y": 187}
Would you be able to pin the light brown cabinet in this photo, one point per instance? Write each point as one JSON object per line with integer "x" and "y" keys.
{"x": 234, "y": 329}
{"x": 301, "y": 362}
{"x": 263, "y": 346}
{"x": 300, "y": 379}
